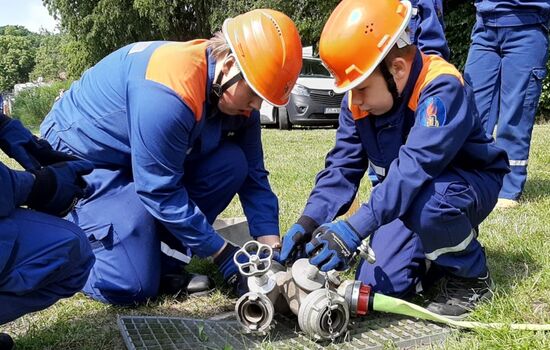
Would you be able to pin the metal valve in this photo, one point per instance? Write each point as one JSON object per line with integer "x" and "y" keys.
{"x": 257, "y": 259}
{"x": 366, "y": 252}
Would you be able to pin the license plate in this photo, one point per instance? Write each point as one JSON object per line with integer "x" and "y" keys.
{"x": 329, "y": 110}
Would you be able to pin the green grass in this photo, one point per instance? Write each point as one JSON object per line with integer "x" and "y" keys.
{"x": 517, "y": 243}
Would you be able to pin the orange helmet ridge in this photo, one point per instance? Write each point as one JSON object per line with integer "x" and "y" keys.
{"x": 268, "y": 50}
{"x": 359, "y": 34}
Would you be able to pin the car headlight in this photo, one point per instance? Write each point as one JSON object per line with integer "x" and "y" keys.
{"x": 300, "y": 90}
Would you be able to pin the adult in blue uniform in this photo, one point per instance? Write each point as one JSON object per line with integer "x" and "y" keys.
{"x": 411, "y": 117}
{"x": 42, "y": 258}
{"x": 174, "y": 133}
{"x": 505, "y": 67}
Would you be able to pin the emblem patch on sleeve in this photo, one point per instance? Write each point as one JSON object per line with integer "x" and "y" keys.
{"x": 432, "y": 113}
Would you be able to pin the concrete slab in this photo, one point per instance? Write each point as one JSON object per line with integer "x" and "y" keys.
{"x": 235, "y": 230}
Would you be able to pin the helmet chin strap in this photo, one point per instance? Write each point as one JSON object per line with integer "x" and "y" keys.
{"x": 403, "y": 41}
{"x": 390, "y": 82}
{"x": 218, "y": 89}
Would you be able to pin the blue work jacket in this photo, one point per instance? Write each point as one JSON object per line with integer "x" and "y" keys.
{"x": 146, "y": 108}
{"x": 433, "y": 126}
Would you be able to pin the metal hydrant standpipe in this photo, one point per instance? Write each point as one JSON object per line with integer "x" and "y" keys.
{"x": 300, "y": 289}
{"x": 322, "y": 303}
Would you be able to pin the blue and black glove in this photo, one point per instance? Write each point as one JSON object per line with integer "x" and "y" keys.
{"x": 230, "y": 271}
{"x": 294, "y": 241}
{"x": 28, "y": 150}
{"x": 332, "y": 246}
{"x": 58, "y": 187}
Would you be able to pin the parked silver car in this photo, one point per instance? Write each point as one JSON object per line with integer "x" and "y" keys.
{"x": 312, "y": 101}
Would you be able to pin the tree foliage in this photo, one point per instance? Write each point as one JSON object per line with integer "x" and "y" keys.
{"x": 50, "y": 61}
{"x": 105, "y": 25}
{"x": 309, "y": 15}
{"x": 17, "y": 51}
{"x": 101, "y": 26}
{"x": 77, "y": 57}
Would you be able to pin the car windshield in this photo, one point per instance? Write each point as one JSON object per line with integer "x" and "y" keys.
{"x": 314, "y": 68}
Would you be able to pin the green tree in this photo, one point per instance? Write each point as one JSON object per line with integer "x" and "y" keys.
{"x": 50, "y": 60}
{"x": 309, "y": 15}
{"x": 17, "y": 50}
{"x": 177, "y": 19}
{"x": 77, "y": 57}
{"x": 101, "y": 26}
{"x": 105, "y": 25}
{"x": 15, "y": 31}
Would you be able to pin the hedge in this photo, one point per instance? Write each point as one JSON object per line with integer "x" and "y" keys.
{"x": 31, "y": 106}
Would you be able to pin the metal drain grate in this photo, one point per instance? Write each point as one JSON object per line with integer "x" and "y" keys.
{"x": 378, "y": 332}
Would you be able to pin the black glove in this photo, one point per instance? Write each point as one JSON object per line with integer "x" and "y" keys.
{"x": 230, "y": 271}
{"x": 58, "y": 187}
{"x": 295, "y": 240}
{"x": 28, "y": 150}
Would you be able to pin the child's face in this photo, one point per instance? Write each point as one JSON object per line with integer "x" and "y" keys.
{"x": 372, "y": 95}
{"x": 239, "y": 99}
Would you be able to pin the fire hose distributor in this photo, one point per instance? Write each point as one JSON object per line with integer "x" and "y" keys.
{"x": 324, "y": 315}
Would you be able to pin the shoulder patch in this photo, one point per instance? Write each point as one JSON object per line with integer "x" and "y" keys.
{"x": 432, "y": 113}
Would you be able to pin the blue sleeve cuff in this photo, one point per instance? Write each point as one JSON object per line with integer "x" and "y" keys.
{"x": 214, "y": 245}
{"x": 23, "y": 181}
{"x": 363, "y": 221}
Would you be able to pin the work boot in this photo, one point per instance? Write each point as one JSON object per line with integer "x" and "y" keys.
{"x": 190, "y": 284}
{"x": 504, "y": 203}
{"x": 6, "y": 343}
{"x": 459, "y": 296}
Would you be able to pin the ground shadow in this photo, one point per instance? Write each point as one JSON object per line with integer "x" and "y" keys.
{"x": 535, "y": 189}
{"x": 509, "y": 268}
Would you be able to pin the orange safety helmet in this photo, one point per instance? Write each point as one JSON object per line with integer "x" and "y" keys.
{"x": 359, "y": 34}
{"x": 268, "y": 49}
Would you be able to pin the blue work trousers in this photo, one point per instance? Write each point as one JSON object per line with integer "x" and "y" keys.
{"x": 48, "y": 259}
{"x": 506, "y": 67}
{"x": 126, "y": 238}
{"x": 440, "y": 229}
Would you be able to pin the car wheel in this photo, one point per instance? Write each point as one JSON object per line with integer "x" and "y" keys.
{"x": 284, "y": 123}
{"x": 275, "y": 119}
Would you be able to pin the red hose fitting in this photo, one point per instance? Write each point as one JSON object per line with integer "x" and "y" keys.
{"x": 363, "y": 300}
